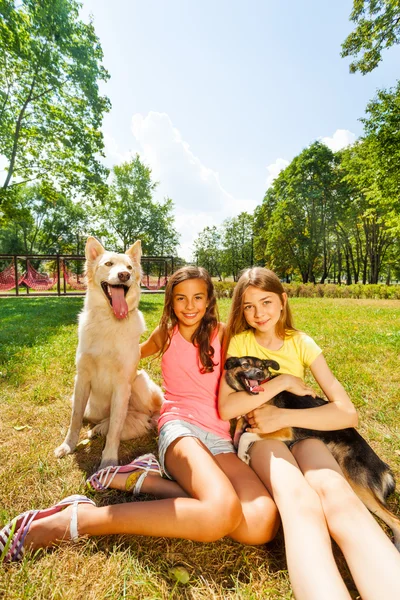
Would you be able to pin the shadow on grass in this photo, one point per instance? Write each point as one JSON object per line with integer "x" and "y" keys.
{"x": 27, "y": 321}
{"x": 151, "y": 304}
{"x": 88, "y": 455}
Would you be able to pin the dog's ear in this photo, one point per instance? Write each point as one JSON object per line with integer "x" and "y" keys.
{"x": 232, "y": 362}
{"x": 135, "y": 252}
{"x": 271, "y": 364}
{"x": 93, "y": 248}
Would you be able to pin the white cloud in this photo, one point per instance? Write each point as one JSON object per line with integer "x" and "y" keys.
{"x": 114, "y": 156}
{"x": 198, "y": 195}
{"x": 274, "y": 169}
{"x": 182, "y": 175}
{"x": 340, "y": 139}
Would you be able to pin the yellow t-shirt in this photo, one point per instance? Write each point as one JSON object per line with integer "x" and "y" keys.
{"x": 296, "y": 354}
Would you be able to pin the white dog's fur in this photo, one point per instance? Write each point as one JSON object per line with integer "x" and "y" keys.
{"x": 109, "y": 391}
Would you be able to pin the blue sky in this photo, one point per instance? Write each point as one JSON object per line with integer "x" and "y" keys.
{"x": 216, "y": 96}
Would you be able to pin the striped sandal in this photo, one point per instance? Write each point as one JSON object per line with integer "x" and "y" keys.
{"x": 139, "y": 468}
{"x": 13, "y": 535}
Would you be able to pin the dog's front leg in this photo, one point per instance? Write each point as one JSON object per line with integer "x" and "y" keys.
{"x": 79, "y": 401}
{"x": 118, "y": 412}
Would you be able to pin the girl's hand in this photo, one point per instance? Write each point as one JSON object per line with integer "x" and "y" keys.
{"x": 266, "y": 419}
{"x": 296, "y": 386}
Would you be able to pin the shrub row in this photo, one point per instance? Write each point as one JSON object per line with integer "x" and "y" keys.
{"x": 224, "y": 289}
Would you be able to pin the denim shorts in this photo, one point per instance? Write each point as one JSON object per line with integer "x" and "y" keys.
{"x": 172, "y": 430}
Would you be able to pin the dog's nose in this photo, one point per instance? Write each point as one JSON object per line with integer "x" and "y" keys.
{"x": 124, "y": 275}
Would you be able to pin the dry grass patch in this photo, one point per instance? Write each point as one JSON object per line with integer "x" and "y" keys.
{"x": 38, "y": 338}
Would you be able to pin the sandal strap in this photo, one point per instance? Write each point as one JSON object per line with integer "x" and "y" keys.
{"x": 147, "y": 463}
{"x": 102, "y": 479}
{"x": 138, "y": 484}
{"x": 73, "y": 524}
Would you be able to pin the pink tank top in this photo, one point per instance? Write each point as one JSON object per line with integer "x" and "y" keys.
{"x": 189, "y": 394}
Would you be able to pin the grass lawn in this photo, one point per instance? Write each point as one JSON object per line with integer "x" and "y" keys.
{"x": 38, "y": 337}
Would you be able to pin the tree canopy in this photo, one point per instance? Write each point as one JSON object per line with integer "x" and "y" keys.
{"x": 377, "y": 27}
{"x": 50, "y": 106}
{"x": 131, "y": 213}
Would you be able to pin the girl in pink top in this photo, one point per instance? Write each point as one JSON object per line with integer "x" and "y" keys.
{"x": 214, "y": 494}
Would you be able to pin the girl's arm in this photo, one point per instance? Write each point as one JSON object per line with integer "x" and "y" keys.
{"x": 338, "y": 414}
{"x": 233, "y": 404}
{"x": 152, "y": 345}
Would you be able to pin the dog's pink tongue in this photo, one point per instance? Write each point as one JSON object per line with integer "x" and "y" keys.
{"x": 118, "y": 301}
{"x": 257, "y": 388}
{"x": 254, "y": 387}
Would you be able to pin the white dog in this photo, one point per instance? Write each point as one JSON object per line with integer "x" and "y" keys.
{"x": 108, "y": 389}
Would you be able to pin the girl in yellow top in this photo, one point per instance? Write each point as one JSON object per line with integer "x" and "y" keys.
{"x": 313, "y": 498}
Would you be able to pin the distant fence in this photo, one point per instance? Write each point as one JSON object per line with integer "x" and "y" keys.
{"x": 62, "y": 274}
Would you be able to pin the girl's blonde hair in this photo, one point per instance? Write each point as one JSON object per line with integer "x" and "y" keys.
{"x": 266, "y": 280}
{"x": 205, "y": 331}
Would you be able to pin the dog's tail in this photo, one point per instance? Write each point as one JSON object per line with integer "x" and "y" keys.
{"x": 378, "y": 508}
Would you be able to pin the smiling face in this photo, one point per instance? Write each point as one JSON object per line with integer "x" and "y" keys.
{"x": 190, "y": 303}
{"x": 261, "y": 309}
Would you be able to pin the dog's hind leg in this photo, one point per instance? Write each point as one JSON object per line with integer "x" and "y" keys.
{"x": 377, "y": 508}
{"x": 147, "y": 396}
{"x": 99, "y": 429}
{"x": 80, "y": 398}
{"x": 136, "y": 425}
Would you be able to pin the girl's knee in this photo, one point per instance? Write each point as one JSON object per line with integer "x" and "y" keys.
{"x": 261, "y": 522}
{"x": 328, "y": 484}
{"x": 336, "y": 495}
{"x": 223, "y": 515}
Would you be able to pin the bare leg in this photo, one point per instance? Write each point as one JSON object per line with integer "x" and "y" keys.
{"x": 260, "y": 516}
{"x": 153, "y": 484}
{"x": 260, "y": 520}
{"x": 373, "y": 560}
{"x": 312, "y": 568}
{"x": 212, "y": 511}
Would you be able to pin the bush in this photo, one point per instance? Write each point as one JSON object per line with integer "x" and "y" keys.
{"x": 224, "y": 289}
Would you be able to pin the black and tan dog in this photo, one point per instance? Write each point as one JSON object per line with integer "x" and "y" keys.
{"x": 371, "y": 478}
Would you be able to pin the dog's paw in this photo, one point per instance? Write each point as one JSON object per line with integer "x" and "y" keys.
{"x": 63, "y": 450}
{"x": 108, "y": 462}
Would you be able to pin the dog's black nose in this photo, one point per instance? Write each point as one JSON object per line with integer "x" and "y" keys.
{"x": 124, "y": 275}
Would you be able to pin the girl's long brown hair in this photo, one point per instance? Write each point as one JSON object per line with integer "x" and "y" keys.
{"x": 266, "y": 280}
{"x": 203, "y": 335}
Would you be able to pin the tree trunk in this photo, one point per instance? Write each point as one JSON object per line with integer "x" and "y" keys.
{"x": 17, "y": 134}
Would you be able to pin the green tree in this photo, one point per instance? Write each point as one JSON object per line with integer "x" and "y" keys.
{"x": 50, "y": 106}
{"x": 238, "y": 244}
{"x": 208, "y": 251}
{"x": 382, "y": 129}
{"x": 377, "y": 27}
{"x": 162, "y": 238}
{"x": 374, "y": 217}
{"x": 299, "y": 214}
{"x": 372, "y": 169}
{"x": 280, "y": 261}
{"x": 130, "y": 212}
{"x": 40, "y": 223}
